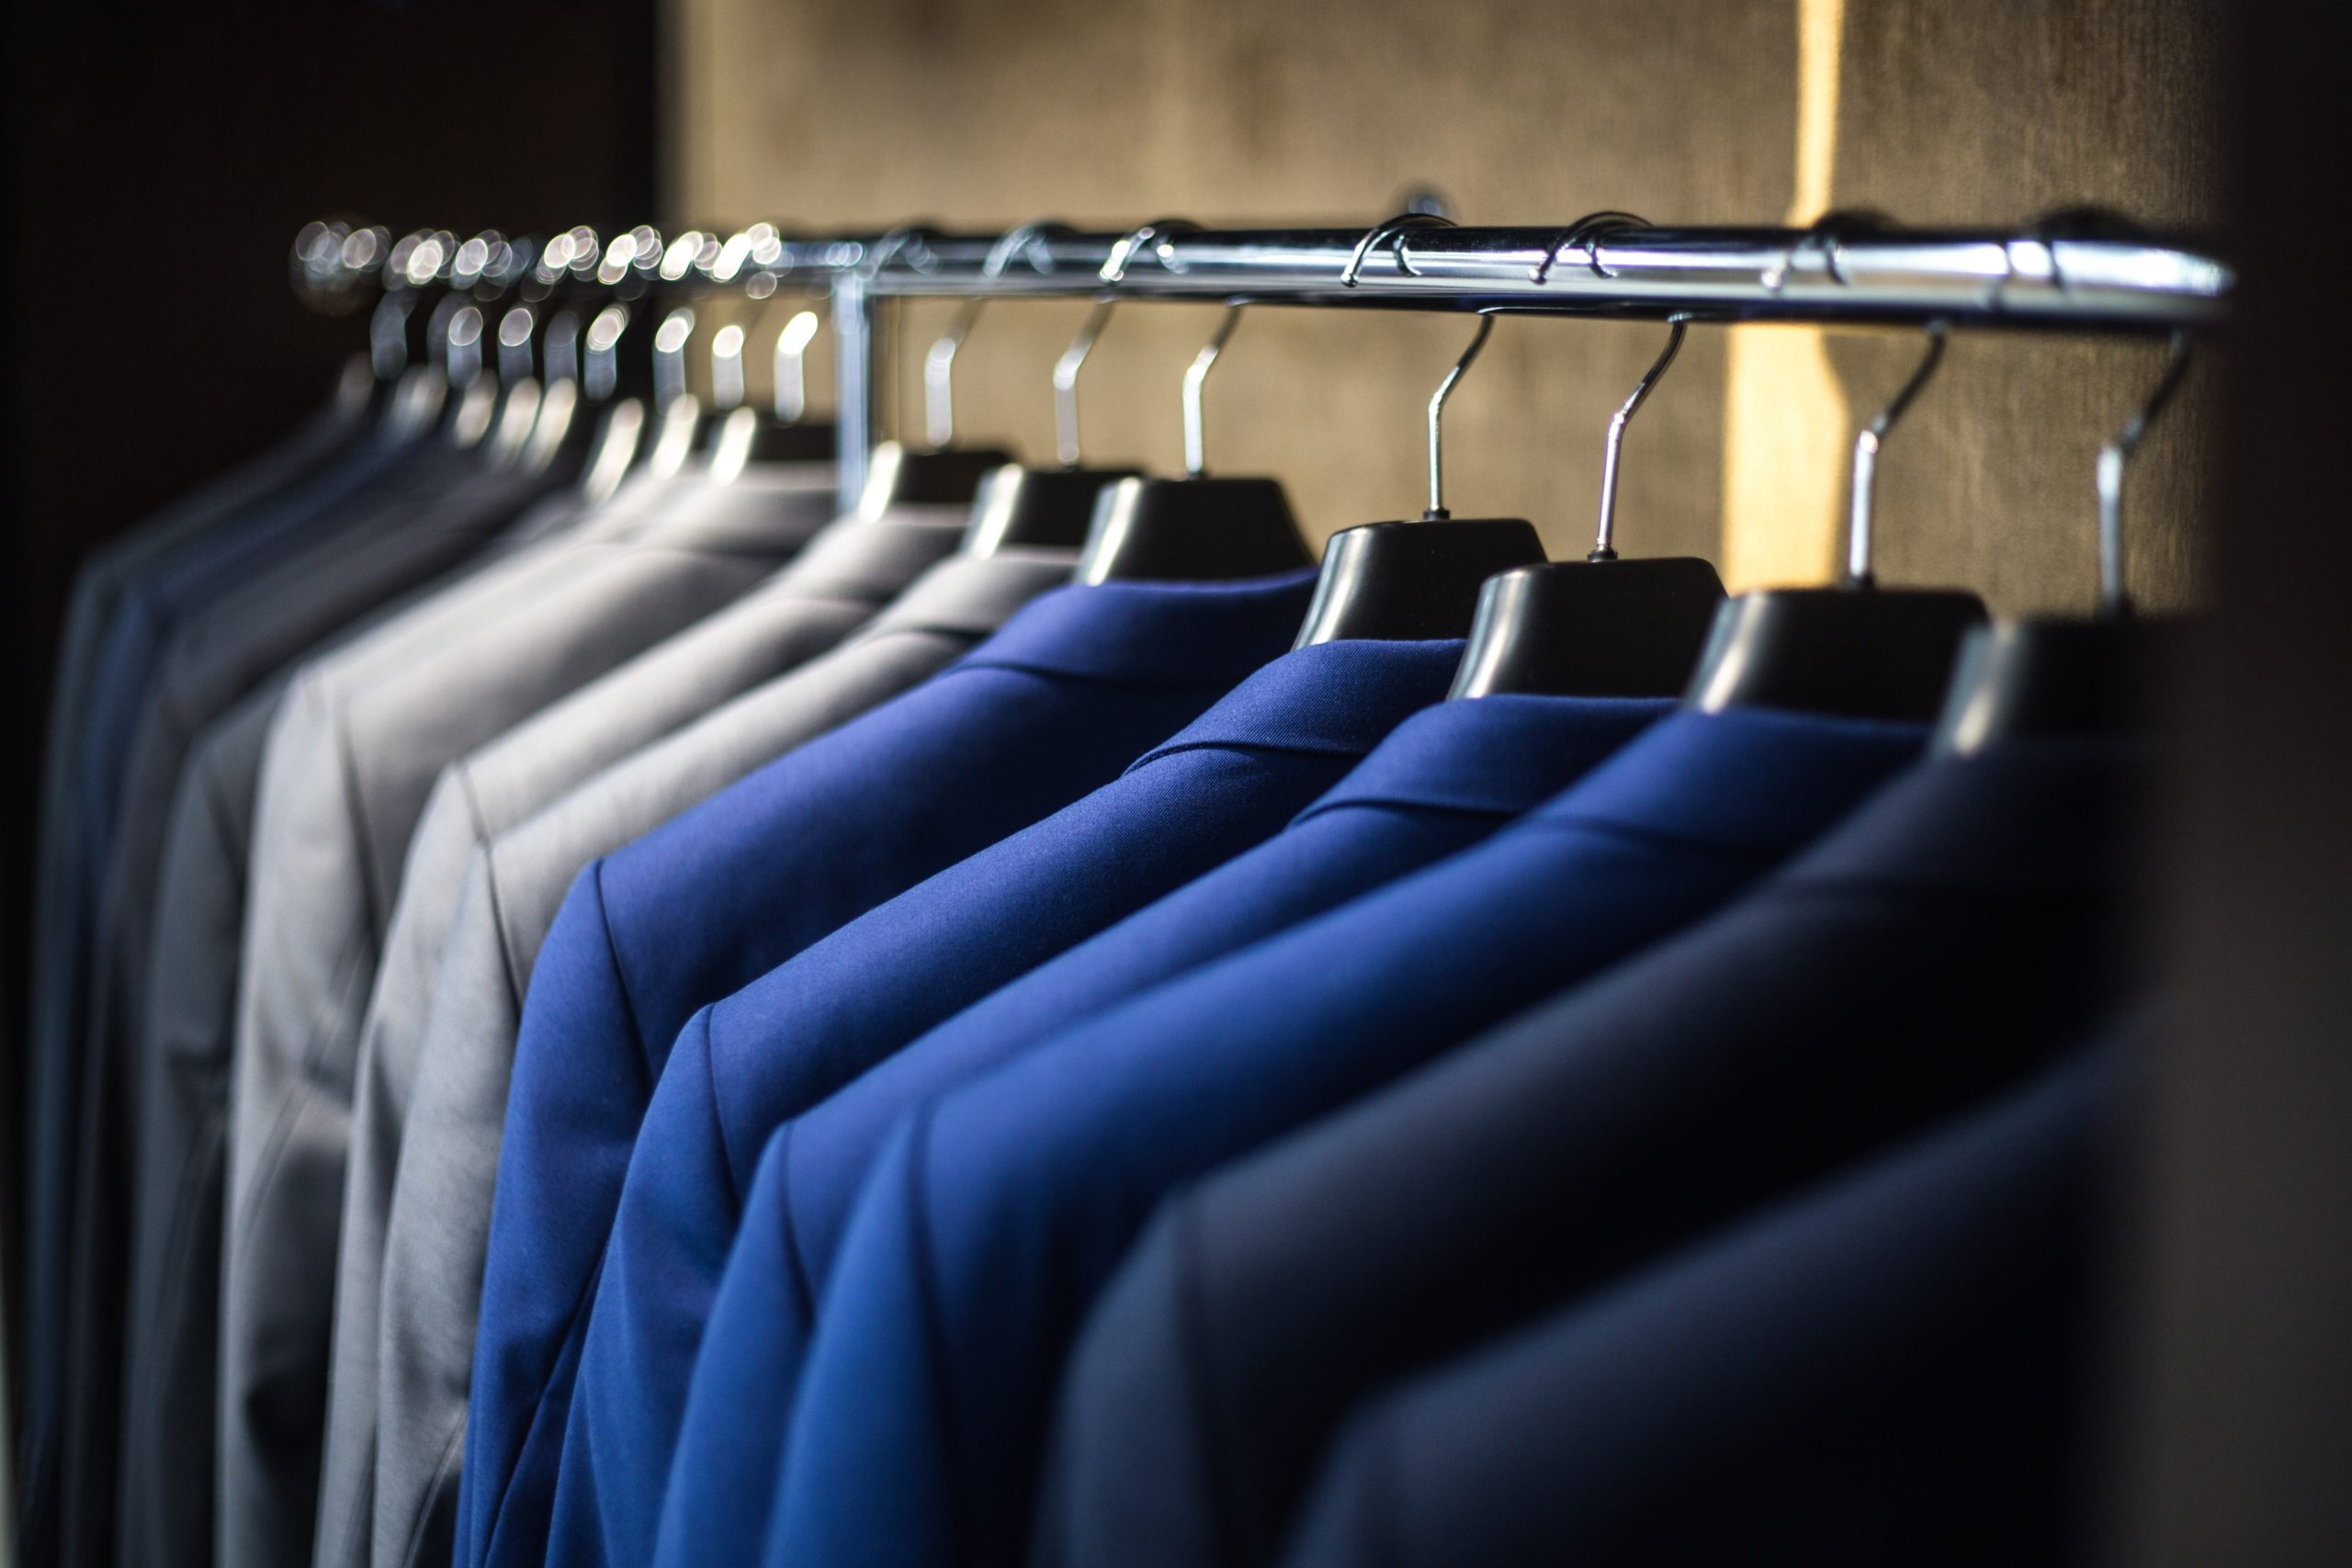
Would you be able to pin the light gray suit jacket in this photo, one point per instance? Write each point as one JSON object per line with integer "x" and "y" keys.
{"x": 837, "y": 582}
{"x": 355, "y": 745}
{"x": 438, "y": 1229}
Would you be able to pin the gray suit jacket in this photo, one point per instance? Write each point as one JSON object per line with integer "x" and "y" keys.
{"x": 843, "y": 575}
{"x": 185, "y": 1018}
{"x": 439, "y": 1224}
{"x": 355, "y": 749}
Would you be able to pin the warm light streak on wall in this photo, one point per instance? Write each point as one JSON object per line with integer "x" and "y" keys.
{"x": 1785, "y": 416}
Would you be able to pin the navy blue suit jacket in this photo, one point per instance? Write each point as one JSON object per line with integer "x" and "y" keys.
{"x": 1889, "y": 1370}
{"x": 1958, "y": 928}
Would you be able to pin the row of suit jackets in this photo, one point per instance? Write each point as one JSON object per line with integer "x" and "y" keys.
{"x": 667, "y": 1028}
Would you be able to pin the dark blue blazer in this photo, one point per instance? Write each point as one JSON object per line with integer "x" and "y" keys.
{"x": 1959, "y": 928}
{"x": 1445, "y": 780}
{"x": 68, "y": 900}
{"x": 772, "y": 1050}
{"x": 1891, "y": 1370}
{"x": 999, "y": 1210}
{"x": 1074, "y": 686}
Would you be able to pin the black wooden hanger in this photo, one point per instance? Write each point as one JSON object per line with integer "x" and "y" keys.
{"x": 1196, "y": 527}
{"x": 2060, "y": 677}
{"x": 1399, "y": 580}
{"x": 1599, "y": 626}
{"x": 1856, "y": 649}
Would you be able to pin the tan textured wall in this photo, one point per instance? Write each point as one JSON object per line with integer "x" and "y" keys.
{"x": 985, "y": 113}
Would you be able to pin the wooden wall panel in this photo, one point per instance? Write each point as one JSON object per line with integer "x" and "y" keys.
{"x": 992, "y": 112}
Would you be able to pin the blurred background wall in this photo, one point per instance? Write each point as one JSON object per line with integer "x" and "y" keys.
{"x": 980, "y": 113}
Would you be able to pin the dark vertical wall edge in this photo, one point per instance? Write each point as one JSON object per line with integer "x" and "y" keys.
{"x": 2244, "y": 1429}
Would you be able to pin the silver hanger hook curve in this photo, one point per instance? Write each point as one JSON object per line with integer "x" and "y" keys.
{"x": 939, "y": 360}
{"x": 2114, "y": 601}
{"x": 1588, "y": 231}
{"x": 1124, "y": 249}
{"x": 1195, "y": 379}
{"x": 1028, "y": 243}
{"x": 2114, "y": 594}
{"x": 1394, "y": 231}
{"x": 1867, "y": 446}
{"x": 1066, "y": 369}
{"x": 1604, "y": 544}
{"x": 939, "y": 376}
{"x": 670, "y": 354}
{"x": 1437, "y": 512}
{"x": 1829, "y": 232}
{"x": 789, "y": 366}
{"x": 886, "y": 250}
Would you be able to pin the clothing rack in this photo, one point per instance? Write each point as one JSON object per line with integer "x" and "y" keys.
{"x": 2067, "y": 275}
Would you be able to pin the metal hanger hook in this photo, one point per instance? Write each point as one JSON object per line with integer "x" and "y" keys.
{"x": 599, "y": 362}
{"x": 1028, "y": 243}
{"x": 388, "y": 333}
{"x": 463, "y": 352}
{"x": 1066, "y": 369}
{"x": 1394, "y": 231}
{"x": 1125, "y": 249}
{"x": 789, "y": 376}
{"x": 2114, "y": 593}
{"x": 1604, "y": 544}
{"x": 514, "y": 329}
{"x": 670, "y": 355}
{"x": 885, "y": 249}
{"x": 2114, "y": 601}
{"x": 1866, "y": 450}
{"x": 1437, "y": 512}
{"x": 1588, "y": 231}
{"x": 727, "y": 368}
{"x": 1195, "y": 379}
{"x": 1829, "y": 232}
{"x": 939, "y": 376}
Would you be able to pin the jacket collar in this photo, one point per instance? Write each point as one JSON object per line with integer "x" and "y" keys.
{"x": 1335, "y": 699}
{"x": 867, "y": 558}
{"x": 972, "y": 596}
{"x": 1152, "y": 634}
{"x": 1751, "y": 781}
{"x": 1495, "y": 756}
